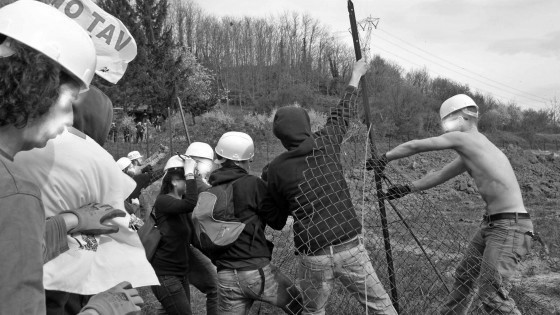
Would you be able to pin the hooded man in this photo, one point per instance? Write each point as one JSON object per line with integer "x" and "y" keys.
{"x": 307, "y": 182}
{"x": 506, "y": 234}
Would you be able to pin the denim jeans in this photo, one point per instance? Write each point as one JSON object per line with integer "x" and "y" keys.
{"x": 492, "y": 258}
{"x": 354, "y": 269}
{"x": 237, "y": 290}
{"x": 202, "y": 275}
{"x": 174, "y": 294}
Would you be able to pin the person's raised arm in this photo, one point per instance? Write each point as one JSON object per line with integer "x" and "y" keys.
{"x": 337, "y": 121}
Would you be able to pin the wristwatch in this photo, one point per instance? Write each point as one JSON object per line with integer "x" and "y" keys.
{"x": 189, "y": 175}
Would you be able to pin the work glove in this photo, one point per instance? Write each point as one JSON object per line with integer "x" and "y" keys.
{"x": 91, "y": 218}
{"x": 120, "y": 299}
{"x": 377, "y": 164}
{"x": 397, "y": 191}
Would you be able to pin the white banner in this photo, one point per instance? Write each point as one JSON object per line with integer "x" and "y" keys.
{"x": 72, "y": 171}
{"x": 114, "y": 44}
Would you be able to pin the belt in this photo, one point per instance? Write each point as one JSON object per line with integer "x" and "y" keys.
{"x": 505, "y": 216}
{"x": 333, "y": 249}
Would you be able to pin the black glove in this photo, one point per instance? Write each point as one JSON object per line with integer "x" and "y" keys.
{"x": 120, "y": 299}
{"x": 397, "y": 191}
{"x": 92, "y": 216}
{"x": 148, "y": 168}
{"x": 377, "y": 164}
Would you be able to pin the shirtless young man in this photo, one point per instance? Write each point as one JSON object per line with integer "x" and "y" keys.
{"x": 505, "y": 235}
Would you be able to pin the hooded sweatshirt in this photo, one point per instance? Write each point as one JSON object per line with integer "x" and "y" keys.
{"x": 251, "y": 250}
{"x": 93, "y": 114}
{"x": 308, "y": 182}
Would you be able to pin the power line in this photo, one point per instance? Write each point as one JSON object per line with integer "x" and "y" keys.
{"x": 463, "y": 68}
{"x": 441, "y": 75}
{"x": 466, "y": 75}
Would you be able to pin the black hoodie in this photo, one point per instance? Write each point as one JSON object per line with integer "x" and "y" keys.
{"x": 251, "y": 250}
{"x": 307, "y": 181}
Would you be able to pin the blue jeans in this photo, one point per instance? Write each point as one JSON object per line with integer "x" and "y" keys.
{"x": 174, "y": 294}
{"x": 492, "y": 258}
{"x": 354, "y": 269}
{"x": 237, "y": 290}
{"x": 202, "y": 275}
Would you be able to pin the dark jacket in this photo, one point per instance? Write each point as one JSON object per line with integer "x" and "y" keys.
{"x": 172, "y": 214}
{"x": 308, "y": 182}
{"x": 251, "y": 250}
{"x": 93, "y": 114}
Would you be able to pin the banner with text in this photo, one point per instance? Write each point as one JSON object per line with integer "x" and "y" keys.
{"x": 113, "y": 42}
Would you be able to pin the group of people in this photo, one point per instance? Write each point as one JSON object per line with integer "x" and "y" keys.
{"x": 41, "y": 81}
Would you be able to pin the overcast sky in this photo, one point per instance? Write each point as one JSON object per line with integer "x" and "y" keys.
{"x": 508, "y": 48}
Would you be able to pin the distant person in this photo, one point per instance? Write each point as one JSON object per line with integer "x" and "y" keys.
{"x": 113, "y": 132}
{"x": 139, "y": 131}
{"x": 506, "y": 234}
{"x": 307, "y": 182}
{"x": 126, "y": 133}
{"x": 158, "y": 122}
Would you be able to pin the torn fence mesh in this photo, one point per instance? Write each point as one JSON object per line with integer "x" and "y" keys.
{"x": 425, "y": 246}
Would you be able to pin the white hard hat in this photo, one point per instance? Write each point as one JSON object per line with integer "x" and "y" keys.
{"x": 123, "y": 163}
{"x": 133, "y": 155}
{"x": 51, "y": 32}
{"x": 174, "y": 161}
{"x": 236, "y": 146}
{"x": 456, "y": 103}
{"x": 200, "y": 149}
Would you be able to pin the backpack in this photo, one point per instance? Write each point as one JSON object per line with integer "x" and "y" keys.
{"x": 216, "y": 227}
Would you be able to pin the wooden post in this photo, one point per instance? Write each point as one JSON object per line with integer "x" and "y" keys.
{"x": 170, "y": 131}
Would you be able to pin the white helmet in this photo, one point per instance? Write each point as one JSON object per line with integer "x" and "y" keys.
{"x": 456, "y": 103}
{"x": 134, "y": 155}
{"x": 173, "y": 162}
{"x": 200, "y": 149}
{"x": 123, "y": 163}
{"x": 51, "y": 32}
{"x": 236, "y": 146}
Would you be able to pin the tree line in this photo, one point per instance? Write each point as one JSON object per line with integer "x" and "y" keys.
{"x": 259, "y": 63}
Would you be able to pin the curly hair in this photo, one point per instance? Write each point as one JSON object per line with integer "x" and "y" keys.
{"x": 29, "y": 85}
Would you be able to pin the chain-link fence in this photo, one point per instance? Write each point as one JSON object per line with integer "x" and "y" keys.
{"x": 414, "y": 247}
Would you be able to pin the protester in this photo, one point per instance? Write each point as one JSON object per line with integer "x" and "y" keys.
{"x": 139, "y": 131}
{"x": 87, "y": 173}
{"x": 506, "y": 234}
{"x": 41, "y": 76}
{"x": 307, "y": 182}
{"x": 245, "y": 273}
{"x": 203, "y": 154}
{"x": 113, "y": 132}
{"x": 177, "y": 198}
{"x": 126, "y": 133}
{"x": 202, "y": 273}
{"x": 158, "y": 122}
{"x": 135, "y": 157}
{"x": 142, "y": 180}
